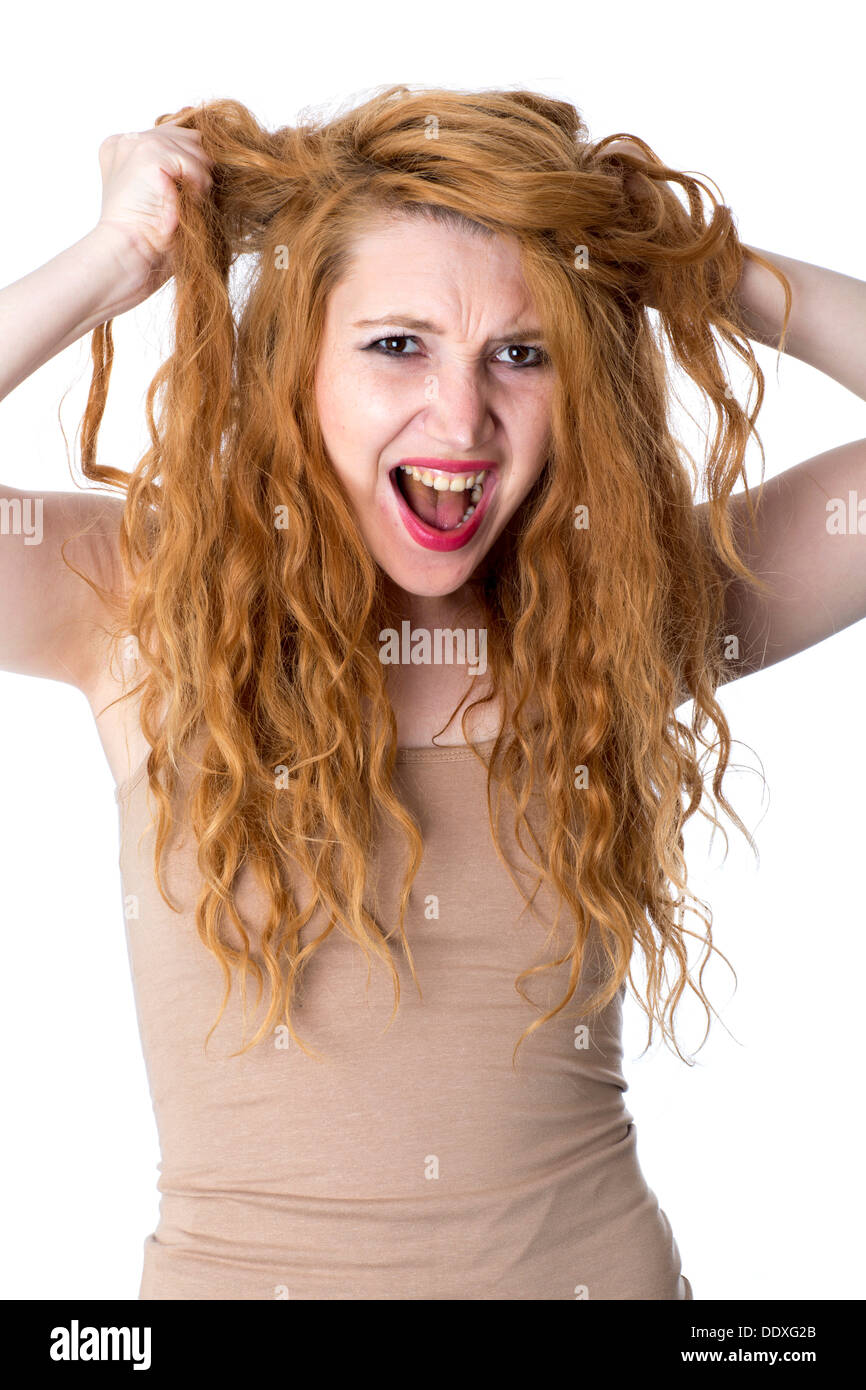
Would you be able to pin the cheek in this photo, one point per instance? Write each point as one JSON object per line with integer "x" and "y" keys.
{"x": 531, "y": 435}
{"x": 324, "y": 397}
{"x": 332, "y": 392}
{"x": 531, "y": 424}
{"x": 350, "y": 400}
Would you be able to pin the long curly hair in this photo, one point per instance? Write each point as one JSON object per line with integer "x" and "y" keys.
{"x": 261, "y": 638}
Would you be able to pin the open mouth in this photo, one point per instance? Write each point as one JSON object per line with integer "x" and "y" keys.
{"x": 444, "y": 501}
{"x": 442, "y": 509}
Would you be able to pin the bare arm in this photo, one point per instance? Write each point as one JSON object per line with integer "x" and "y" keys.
{"x": 50, "y": 619}
{"x": 809, "y": 541}
{"x": 93, "y": 280}
{"x": 810, "y": 546}
{"x": 52, "y": 623}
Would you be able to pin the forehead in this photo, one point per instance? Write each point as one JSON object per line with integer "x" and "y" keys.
{"x": 413, "y": 265}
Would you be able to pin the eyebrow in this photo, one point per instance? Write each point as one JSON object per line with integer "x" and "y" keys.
{"x": 425, "y": 326}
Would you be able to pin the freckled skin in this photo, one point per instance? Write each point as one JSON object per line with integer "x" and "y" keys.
{"x": 374, "y": 409}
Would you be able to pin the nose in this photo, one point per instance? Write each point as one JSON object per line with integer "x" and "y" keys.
{"x": 458, "y": 413}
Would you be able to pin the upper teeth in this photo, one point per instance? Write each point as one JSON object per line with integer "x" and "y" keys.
{"x": 447, "y": 482}
{"x": 444, "y": 482}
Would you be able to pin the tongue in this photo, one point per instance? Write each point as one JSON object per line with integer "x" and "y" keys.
{"x": 444, "y": 510}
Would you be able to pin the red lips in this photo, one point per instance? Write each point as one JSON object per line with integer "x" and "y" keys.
{"x": 428, "y": 536}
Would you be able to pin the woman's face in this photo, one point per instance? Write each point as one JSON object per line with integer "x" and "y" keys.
{"x": 429, "y": 360}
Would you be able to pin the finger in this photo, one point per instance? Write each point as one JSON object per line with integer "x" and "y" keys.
{"x": 173, "y": 125}
{"x": 192, "y": 171}
{"x": 191, "y": 147}
{"x": 180, "y": 115}
{"x": 188, "y": 163}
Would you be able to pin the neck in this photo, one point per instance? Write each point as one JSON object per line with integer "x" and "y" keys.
{"x": 441, "y": 611}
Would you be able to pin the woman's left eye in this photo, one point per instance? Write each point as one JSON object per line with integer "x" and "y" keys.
{"x": 541, "y": 358}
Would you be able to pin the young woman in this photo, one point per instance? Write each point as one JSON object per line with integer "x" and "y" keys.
{"x": 385, "y": 637}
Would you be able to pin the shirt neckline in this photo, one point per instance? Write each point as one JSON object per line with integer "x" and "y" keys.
{"x": 453, "y": 752}
{"x": 428, "y": 753}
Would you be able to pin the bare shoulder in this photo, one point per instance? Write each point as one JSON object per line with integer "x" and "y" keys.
{"x": 62, "y": 594}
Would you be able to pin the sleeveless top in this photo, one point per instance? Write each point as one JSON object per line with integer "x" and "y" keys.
{"x": 411, "y": 1161}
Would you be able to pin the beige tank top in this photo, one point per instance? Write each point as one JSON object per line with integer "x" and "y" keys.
{"x": 412, "y": 1162}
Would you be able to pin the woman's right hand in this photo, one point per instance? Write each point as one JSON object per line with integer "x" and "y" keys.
{"x": 139, "y": 214}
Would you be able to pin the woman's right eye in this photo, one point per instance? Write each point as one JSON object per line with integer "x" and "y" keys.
{"x": 389, "y": 352}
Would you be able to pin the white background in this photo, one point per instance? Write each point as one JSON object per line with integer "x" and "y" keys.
{"x": 755, "y": 1153}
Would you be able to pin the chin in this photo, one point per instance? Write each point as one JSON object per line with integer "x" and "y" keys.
{"x": 413, "y": 584}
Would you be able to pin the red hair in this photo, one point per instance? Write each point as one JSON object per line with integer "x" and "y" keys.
{"x": 260, "y": 644}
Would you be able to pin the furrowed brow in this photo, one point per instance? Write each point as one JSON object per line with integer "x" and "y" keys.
{"x": 425, "y": 326}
